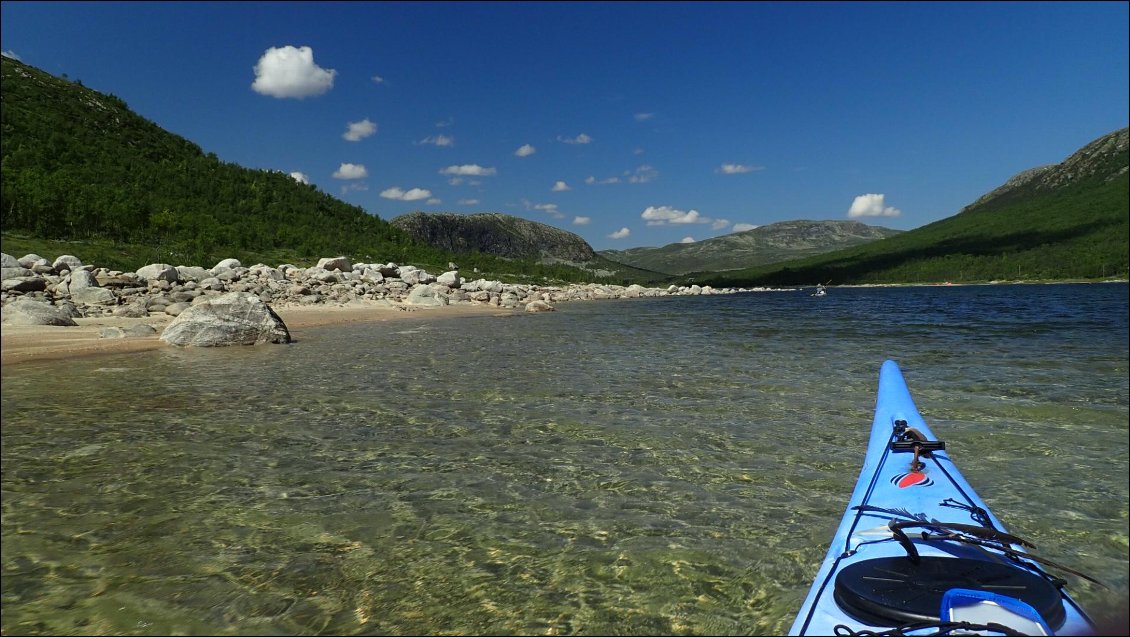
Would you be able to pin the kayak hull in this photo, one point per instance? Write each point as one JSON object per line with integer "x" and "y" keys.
{"x": 869, "y": 581}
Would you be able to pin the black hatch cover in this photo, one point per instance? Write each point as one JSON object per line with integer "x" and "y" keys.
{"x": 889, "y": 591}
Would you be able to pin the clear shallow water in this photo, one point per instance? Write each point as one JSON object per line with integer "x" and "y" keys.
{"x": 623, "y": 467}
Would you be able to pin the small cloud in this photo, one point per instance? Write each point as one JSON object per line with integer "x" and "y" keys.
{"x": 742, "y": 227}
{"x": 377, "y": 79}
{"x": 593, "y": 181}
{"x": 438, "y": 140}
{"x": 356, "y": 131}
{"x": 620, "y": 234}
{"x": 434, "y": 201}
{"x": 582, "y": 221}
{"x": 642, "y": 175}
{"x": 414, "y": 194}
{"x": 468, "y": 202}
{"x": 662, "y": 215}
{"x": 351, "y": 171}
{"x": 638, "y": 151}
{"x": 686, "y": 240}
{"x": 445, "y": 123}
{"x": 737, "y": 169}
{"x": 469, "y": 169}
{"x": 354, "y": 187}
{"x": 643, "y": 117}
{"x": 525, "y": 150}
{"x": 871, "y": 205}
{"x": 290, "y": 72}
{"x": 301, "y": 178}
{"x": 12, "y": 56}
{"x": 560, "y": 186}
{"x": 548, "y": 208}
{"x": 719, "y": 224}
{"x": 579, "y": 139}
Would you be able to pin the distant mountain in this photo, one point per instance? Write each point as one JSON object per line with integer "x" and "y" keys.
{"x": 763, "y": 245}
{"x": 1069, "y": 220}
{"x": 515, "y": 238}
{"x": 497, "y": 234}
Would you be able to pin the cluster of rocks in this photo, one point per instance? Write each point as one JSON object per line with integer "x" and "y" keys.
{"x": 66, "y": 288}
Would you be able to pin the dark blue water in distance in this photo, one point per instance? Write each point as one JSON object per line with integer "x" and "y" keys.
{"x": 650, "y": 466}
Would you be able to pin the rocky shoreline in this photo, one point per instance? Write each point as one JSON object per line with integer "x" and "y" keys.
{"x": 38, "y": 291}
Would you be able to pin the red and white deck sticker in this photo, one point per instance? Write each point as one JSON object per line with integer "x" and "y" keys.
{"x": 912, "y": 479}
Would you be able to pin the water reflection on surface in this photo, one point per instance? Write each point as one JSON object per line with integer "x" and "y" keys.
{"x": 641, "y": 467}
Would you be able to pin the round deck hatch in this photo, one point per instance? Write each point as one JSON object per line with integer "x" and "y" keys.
{"x": 890, "y": 591}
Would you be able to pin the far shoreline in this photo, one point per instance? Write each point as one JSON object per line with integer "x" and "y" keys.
{"x": 21, "y": 344}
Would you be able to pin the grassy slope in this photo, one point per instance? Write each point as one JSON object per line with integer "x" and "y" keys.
{"x": 1081, "y": 232}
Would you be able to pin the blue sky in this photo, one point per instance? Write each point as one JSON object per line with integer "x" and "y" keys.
{"x": 630, "y": 124}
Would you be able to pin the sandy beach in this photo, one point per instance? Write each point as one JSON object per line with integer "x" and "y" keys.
{"x": 26, "y": 343}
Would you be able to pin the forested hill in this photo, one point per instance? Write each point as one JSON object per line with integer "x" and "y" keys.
{"x": 1069, "y": 220}
{"x": 79, "y": 165}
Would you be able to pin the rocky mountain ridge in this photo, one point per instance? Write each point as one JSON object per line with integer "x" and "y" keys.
{"x": 1103, "y": 159}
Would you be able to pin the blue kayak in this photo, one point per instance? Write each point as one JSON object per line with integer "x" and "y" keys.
{"x": 918, "y": 550}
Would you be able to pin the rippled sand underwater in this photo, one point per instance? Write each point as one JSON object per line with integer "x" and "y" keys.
{"x": 651, "y": 466}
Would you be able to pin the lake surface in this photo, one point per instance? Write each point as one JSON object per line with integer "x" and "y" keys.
{"x": 646, "y": 466}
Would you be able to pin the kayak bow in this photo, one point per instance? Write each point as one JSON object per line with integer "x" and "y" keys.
{"x": 918, "y": 551}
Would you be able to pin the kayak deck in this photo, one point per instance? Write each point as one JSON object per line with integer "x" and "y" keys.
{"x": 917, "y": 547}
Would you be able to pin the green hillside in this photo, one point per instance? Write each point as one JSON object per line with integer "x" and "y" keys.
{"x": 773, "y": 243}
{"x": 82, "y": 171}
{"x": 1069, "y": 221}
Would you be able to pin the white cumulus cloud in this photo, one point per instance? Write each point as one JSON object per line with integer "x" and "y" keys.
{"x": 415, "y": 194}
{"x": 560, "y": 186}
{"x": 620, "y": 234}
{"x": 661, "y": 215}
{"x": 469, "y": 169}
{"x": 742, "y": 227}
{"x": 643, "y": 117}
{"x": 356, "y": 131}
{"x": 579, "y": 139}
{"x": 300, "y": 177}
{"x": 719, "y": 224}
{"x": 351, "y": 171}
{"x": 468, "y": 202}
{"x": 377, "y": 79}
{"x": 582, "y": 221}
{"x": 12, "y": 55}
{"x": 737, "y": 169}
{"x": 289, "y": 71}
{"x": 686, "y": 240}
{"x": 871, "y": 205}
{"x": 525, "y": 150}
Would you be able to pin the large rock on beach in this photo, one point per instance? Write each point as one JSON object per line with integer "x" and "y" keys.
{"x": 28, "y": 312}
{"x": 236, "y": 318}
{"x": 425, "y": 295}
{"x": 335, "y": 263}
{"x": 66, "y": 262}
{"x": 159, "y": 272}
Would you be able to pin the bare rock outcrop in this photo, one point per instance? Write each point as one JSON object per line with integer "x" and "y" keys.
{"x": 235, "y": 318}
